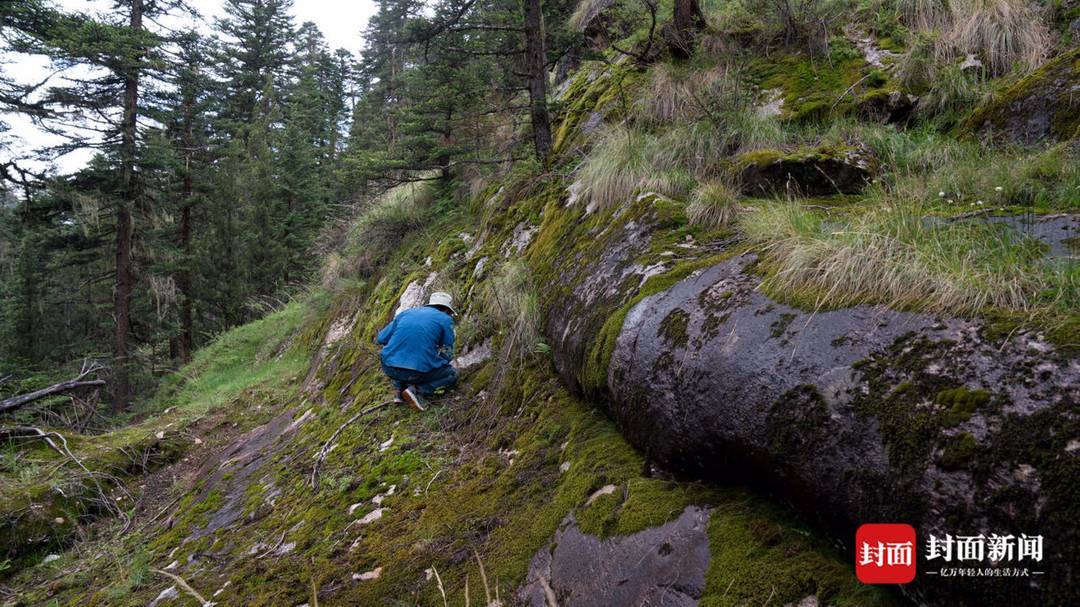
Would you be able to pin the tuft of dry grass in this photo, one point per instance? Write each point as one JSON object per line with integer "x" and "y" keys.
{"x": 1003, "y": 34}
{"x": 623, "y": 162}
{"x": 713, "y": 204}
{"x": 510, "y": 300}
{"x": 675, "y": 93}
{"x": 902, "y": 256}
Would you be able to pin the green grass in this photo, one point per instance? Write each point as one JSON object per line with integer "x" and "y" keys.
{"x": 623, "y": 162}
{"x": 245, "y": 356}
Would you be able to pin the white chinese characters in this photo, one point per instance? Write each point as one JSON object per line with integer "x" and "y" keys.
{"x": 996, "y": 548}
{"x": 885, "y": 554}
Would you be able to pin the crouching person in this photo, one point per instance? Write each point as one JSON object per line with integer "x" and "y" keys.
{"x": 418, "y": 346}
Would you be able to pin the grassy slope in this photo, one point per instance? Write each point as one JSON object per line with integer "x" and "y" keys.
{"x": 478, "y": 479}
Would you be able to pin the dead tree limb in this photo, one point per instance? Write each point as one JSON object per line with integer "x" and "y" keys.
{"x": 77, "y": 382}
{"x": 64, "y": 451}
{"x": 183, "y": 584}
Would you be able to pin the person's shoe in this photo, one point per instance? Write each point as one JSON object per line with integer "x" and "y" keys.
{"x": 412, "y": 398}
{"x": 398, "y": 398}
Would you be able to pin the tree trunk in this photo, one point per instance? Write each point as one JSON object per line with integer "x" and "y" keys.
{"x": 688, "y": 20}
{"x": 122, "y": 291}
{"x": 536, "y": 67}
{"x": 184, "y": 342}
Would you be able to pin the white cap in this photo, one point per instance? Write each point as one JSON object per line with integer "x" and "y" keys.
{"x": 440, "y": 298}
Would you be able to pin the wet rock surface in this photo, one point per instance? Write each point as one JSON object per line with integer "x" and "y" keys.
{"x": 851, "y": 415}
{"x": 1045, "y": 105}
{"x": 664, "y": 565}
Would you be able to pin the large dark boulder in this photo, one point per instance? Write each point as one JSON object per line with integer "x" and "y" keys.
{"x": 854, "y": 415}
{"x": 662, "y": 565}
{"x": 1045, "y": 105}
{"x": 859, "y": 415}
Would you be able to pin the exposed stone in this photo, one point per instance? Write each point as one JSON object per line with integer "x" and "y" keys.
{"x": 599, "y": 493}
{"x": 833, "y": 409}
{"x": 1045, "y": 105}
{"x": 416, "y": 293}
{"x": 519, "y": 239}
{"x": 772, "y": 104}
{"x": 169, "y": 594}
{"x": 474, "y": 356}
{"x": 664, "y": 565}
{"x": 368, "y": 575}
{"x": 887, "y": 106}
{"x": 371, "y": 517}
{"x": 873, "y": 54}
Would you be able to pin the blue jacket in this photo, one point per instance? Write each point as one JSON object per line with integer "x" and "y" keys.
{"x": 421, "y": 339}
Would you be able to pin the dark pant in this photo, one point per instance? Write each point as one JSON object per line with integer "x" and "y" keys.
{"x": 427, "y": 383}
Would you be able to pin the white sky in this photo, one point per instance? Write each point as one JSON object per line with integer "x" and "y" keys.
{"x": 341, "y": 22}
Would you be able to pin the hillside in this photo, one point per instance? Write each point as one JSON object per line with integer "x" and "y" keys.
{"x": 758, "y": 296}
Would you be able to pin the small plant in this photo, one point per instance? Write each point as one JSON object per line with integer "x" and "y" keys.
{"x": 510, "y": 300}
{"x": 713, "y": 205}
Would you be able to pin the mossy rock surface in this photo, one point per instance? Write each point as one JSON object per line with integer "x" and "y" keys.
{"x": 1044, "y": 105}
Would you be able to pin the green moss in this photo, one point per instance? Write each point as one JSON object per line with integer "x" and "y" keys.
{"x": 757, "y": 559}
{"x": 1065, "y": 121}
{"x": 959, "y": 452}
{"x": 674, "y": 328}
{"x": 961, "y": 403}
{"x": 812, "y": 88}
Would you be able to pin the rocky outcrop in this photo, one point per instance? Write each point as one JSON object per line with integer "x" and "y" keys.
{"x": 854, "y": 415}
{"x": 1045, "y": 105}
{"x": 820, "y": 171}
{"x": 887, "y": 106}
{"x": 662, "y": 565}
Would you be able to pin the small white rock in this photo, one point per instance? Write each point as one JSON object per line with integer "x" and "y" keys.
{"x": 372, "y": 516}
{"x": 368, "y": 575}
{"x": 50, "y": 558}
{"x": 168, "y": 594}
{"x": 563, "y": 467}
{"x": 602, "y": 491}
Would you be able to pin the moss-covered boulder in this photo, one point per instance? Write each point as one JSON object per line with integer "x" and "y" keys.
{"x": 819, "y": 171}
{"x": 1045, "y": 105}
{"x": 859, "y": 415}
{"x": 885, "y": 105}
{"x": 854, "y": 415}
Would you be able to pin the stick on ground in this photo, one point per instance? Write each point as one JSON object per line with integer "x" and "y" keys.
{"x": 321, "y": 455}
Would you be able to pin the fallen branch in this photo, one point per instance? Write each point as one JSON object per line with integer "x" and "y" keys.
{"x": 63, "y": 450}
{"x": 321, "y": 455}
{"x": 183, "y": 584}
{"x": 79, "y": 381}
